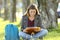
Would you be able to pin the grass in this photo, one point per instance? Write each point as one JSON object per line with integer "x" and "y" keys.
{"x": 52, "y": 35}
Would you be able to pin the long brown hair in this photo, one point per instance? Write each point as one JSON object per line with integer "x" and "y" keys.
{"x": 32, "y": 6}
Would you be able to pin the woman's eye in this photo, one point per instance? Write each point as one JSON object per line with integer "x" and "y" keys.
{"x": 32, "y": 11}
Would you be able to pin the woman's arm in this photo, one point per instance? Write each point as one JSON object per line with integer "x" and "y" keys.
{"x": 40, "y": 23}
{"x": 21, "y": 23}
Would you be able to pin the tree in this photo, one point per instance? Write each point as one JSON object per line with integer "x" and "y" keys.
{"x": 0, "y": 7}
{"x": 48, "y": 11}
{"x": 12, "y": 10}
{"x": 5, "y": 9}
{"x": 25, "y": 5}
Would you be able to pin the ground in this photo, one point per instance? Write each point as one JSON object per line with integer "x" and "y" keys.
{"x": 52, "y": 35}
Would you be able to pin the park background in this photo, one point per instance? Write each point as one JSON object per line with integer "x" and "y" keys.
{"x": 11, "y": 12}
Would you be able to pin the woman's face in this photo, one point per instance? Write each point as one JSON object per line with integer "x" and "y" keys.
{"x": 32, "y": 12}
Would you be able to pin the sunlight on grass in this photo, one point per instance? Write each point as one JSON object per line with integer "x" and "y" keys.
{"x": 58, "y": 20}
{"x": 53, "y": 38}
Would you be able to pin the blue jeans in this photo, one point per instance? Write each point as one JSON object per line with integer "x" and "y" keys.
{"x": 40, "y": 34}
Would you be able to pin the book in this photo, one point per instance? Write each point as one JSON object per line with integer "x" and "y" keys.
{"x": 33, "y": 30}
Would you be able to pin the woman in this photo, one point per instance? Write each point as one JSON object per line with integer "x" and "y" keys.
{"x": 32, "y": 19}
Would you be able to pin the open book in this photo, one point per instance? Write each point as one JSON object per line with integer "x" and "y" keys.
{"x": 32, "y": 30}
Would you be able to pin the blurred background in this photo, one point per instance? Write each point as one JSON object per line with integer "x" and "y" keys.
{"x": 11, "y": 12}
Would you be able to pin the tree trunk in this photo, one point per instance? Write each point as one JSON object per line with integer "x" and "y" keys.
{"x": 0, "y": 7}
{"x": 0, "y": 11}
{"x": 48, "y": 12}
{"x": 13, "y": 11}
{"x": 25, "y": 5}
{"x": 5, "y": 10}
{"x": 52, "y": 6}
{"x": 33, "y": 2}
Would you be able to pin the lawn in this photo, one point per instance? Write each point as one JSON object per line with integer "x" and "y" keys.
{"x": 52, "y": 35}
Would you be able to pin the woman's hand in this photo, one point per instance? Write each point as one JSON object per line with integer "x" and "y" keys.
{"x": 24, "y": 30}
{"x": 30, "y": 29}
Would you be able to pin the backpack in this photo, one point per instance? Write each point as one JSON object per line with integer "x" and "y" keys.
{"x": 11, "y": 32}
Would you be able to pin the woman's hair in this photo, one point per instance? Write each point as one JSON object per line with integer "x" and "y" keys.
{"x": 32, "y": 6}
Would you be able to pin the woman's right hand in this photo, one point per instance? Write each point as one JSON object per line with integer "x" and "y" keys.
{"x": 24, "y": 30}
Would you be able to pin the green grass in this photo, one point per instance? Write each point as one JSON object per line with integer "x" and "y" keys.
{"x": 52, "y": 35}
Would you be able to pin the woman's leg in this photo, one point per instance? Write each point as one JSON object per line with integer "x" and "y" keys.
{"x": 40, "y": 34}
{"x": 24, "y": 35}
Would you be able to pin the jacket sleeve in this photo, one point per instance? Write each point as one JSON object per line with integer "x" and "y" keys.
{"x": 40, "y": 23}
{"x": 21, "y": 23}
